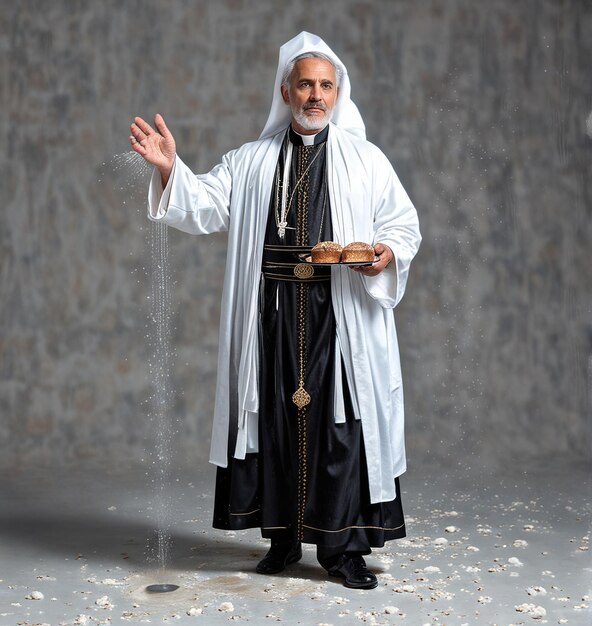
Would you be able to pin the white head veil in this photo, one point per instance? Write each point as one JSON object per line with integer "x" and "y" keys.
{"x": 345, "y": 113}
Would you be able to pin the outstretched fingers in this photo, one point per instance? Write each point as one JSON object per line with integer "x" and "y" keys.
{"x": 140, "y": 132}
{"x": 161, "y": 126}
{"x": 142, "y": 126}
{"x": 136, "y": 145}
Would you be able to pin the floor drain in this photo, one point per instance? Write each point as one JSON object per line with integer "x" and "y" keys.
{"x": 162, "y": 588}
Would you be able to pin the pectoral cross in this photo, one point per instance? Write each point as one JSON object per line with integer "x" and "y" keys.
{"x": 282, "y": 229}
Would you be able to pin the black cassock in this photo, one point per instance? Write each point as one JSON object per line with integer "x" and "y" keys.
{"x": 309, "y": 479}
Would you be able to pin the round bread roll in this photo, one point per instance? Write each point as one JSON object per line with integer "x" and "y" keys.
{"x": 357, "y": 252}
{"x": 326, "y": 252}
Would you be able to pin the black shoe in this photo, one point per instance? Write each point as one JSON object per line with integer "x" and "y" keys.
{"x": 352, "y": 568}
{"x": 279, "y": 555}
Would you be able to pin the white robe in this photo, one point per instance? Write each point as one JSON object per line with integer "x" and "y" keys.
{"x": 368, "y": 203}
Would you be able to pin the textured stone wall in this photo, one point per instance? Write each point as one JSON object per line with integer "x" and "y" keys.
{"x": 480, "y": 106}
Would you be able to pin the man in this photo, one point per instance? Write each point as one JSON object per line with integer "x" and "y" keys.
{"x": 308, "y": 424}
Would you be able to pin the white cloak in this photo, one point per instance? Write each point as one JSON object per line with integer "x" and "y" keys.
{"x": 368, "y": 203}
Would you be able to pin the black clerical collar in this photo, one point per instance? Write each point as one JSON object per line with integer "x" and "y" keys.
{"x": 296, "y": 139}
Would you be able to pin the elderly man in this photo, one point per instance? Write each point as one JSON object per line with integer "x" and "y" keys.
{"x": 308, "y": 426}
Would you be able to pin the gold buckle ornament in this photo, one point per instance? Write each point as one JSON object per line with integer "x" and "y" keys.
{"x": 303, "y": 270}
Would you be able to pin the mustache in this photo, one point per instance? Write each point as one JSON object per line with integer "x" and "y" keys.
{"x": 314, "y": 105}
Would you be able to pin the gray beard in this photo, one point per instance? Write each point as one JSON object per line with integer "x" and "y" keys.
{"x": 313, "y": 123}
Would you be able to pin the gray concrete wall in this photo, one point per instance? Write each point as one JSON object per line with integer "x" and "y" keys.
{"x": 482, "y": 108}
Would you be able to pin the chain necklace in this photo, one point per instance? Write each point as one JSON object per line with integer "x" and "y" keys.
{"x": 324, "y": 207}
{"x": 281, "y": 219}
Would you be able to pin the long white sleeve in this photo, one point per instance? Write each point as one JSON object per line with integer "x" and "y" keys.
{"x": 195, "y": 204}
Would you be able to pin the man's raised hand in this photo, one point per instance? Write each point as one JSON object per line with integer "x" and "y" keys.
{"x": 156, "y": 146}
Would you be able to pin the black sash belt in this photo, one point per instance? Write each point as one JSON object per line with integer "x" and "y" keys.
{"x": 286, "y": 263}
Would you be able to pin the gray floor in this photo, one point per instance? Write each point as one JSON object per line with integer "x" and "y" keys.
{"x": 481, "y": 549}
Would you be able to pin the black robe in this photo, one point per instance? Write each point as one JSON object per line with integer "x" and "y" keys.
{"x": 309, "y": 479}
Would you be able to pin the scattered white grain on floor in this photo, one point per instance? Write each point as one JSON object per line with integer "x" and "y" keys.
{"x": 104, "y": 602}
{"x": 534, "y": 611}
{"x": 194, "y": 611}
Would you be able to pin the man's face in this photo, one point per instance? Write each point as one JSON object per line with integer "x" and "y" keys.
{"x": 311, "y": 95}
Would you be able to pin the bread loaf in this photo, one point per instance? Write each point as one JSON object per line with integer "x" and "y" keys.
{"x": 357, "y": 252}
{"x": 326, "y": 252}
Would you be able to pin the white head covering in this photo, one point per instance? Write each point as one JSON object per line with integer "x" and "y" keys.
{"x": 345, "y": 113}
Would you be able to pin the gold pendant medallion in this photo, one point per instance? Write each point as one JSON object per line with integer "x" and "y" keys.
{"x": 300, "y": 397}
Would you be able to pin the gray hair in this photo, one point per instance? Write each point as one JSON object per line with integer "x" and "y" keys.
{"x": 287, "y": 75}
